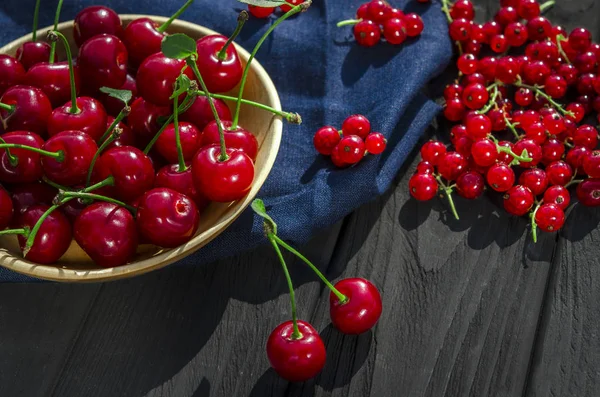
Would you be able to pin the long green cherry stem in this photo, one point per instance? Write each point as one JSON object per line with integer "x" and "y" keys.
{"x": 36, "y": 14}
{"x": 296, "y": 334}
{"x": 54, "y": 184}
{"x": 116, "y": 132}
{"x": 53, "y": 37}
{"x": 12, "y": 159}
{"x": 22, "y": 231}
{"x": 122, "y": 114}
{"x": 180, "y": 158}
{"x": 241, "y": 20}
{"x": 342, "y": 298}
{"x": 56, "y": 19}
{"x": 165, "y": 26}
{"x": 98, "y": 197}
{"x": 299, "y": 8}
{"x": 150, "y": 144}
{"x": 58, "y": 156}
{"x": 191, "y": 61}
{"x": 8, "y": 108}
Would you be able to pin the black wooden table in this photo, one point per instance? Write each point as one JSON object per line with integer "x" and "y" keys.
{"x": 471, "y": 308}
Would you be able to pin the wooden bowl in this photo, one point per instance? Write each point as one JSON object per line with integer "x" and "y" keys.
{"x": 76, "y": 266}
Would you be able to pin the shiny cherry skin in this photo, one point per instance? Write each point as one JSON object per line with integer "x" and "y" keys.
{"x": 107, "y": 233}
{"x": 91, "y": 118}
{"x": 296, "y": 360}
{"x": 167, "y": 218}
{"x": 143, "y": 119}
{"x": 53, "y": 237}
{"x": 32, "y": 53}
{"x": 200, "y": 113}
{"x": 102, "y": 62}
{"x": 156, "y": 77}
{"x": 287, "y": 8}
{"x": 260, "y": 12}
{"x": 362, "y": 309}
{"x": 238, "y": 138}
{"x": 95, "y": 20}
{"x": 114, "y": 106}
{"x": 588, "y": 192}
{"x": 222, "y": 181}
{"x": 29, "y": 194}
{"x": 131, "y": 169}
{"x": 126, "y": 138}
{"x": 6, "y": 209}
{"x": 28, "y": 168}
{"x": 190, "y": 137}
{"x": 11, "y": 72}
{"x": 53, "y": 79}
{"x": 31, "y": 109}
{"x": 142, "y": 39}
{"x": 73, "y": 208}
{"x": 170, "y": 177}
{"x": 219, "y": 75}
{"x": 79, "y": 148}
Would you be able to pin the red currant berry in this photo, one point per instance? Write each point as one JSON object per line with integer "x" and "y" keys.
{"x": 363, "y": 11}
{"x": 506, "y": 15}
{"x": 414, "y": 25}
{"x": 491, "y": 29}
{"x": 516, "y": 34}
{"x": 487, "y": 67}
{"x": 534, "y": 151}
{"x": 453, "y": 91}
{"x": 575, "y": 158}
{"x": 394, "y": 31}
{"x": 580, "y": 39}
{"x": 460, "y": 29}
{"x": 424, "y": 167}
{"x": 499, "y": 44}
{"x": 578, "y": 111}
{"x": 457, "y": 131}
{"x": 375, "y": 143}
{"x": 528, "y": 9}
{"x": 569, "y": 72}
{"x": 586, "y": 62}
{"x": 478, "y": 33}
{"x": 454, "y": 110}
{"x": 535, "y": 72}
{"x": 507, "y": 70}
{"x": 523, "y": 96}
{"x": 535, "y": 179}
{"x": 467, "y": 63}
{"x": 470, "y": 185}
{"x": 478, "y": 126}
{"x": 475, "y": 96}
{"x": 356, "y": 124}
{"x": 452, "y": 165}
{"x": 433, "y": 152}
{"x": 554, "y": 123}
{"x": 484, "y": 152}
{"x": 555, "y": 86}
{"x": 588, "y": 192}
{"x": 552, "y": 150}
{"x": 475, "y": 78}
{"x": 462, "y": 9}
{"x": 378, "y": 11}
{"x": 367, "y": 33}
{"x": 586, "y": 136}
{"x": 325, "y": 139}
{"x": 537, "y": 133}
{"x": 549, "y": 217}
{"x": 585, "y": 84}
{"x": 352, "y": 149}
{"x": 423, "y": 187}
{"x": 518, "y": 200}
{"x": 558, "y": 195}
{"x": 539, "y": 28}
{"x": 500, "y": 177}
{"x": 559, "y": 173}
{"x": 591, "y": 164}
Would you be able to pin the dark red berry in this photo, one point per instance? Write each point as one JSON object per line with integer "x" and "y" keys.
{"x": 367, "y": 33}
{"x": 261, "y": 12}
{"x": 558, "y": 195}
{"x": 53, "y": 237}
{"x": 500, "y": 177}
{"x": 470, "y": 185}
{"x": 534, "y": 151}
{"x": 433, "y": 152}
{"x": 356, "y": 124}
{"x": 591, "y": 164}
{"x": 484, "y": 152}
{"x": 462, "y": 9}
{"x": 423, "y": 187}
{"x": 414, "y": 25}
{"x": 360, "y": 312}
{"x": 559, "y": 173}
{"x": 478, "y": 126}
{"x": 535, "y": 179}
{"x": 460, "y": 29}
{"x": 95, "y": 20}
{"x": 518, "y": 200}
{"x": 575, "y": 158}
{"x": 580, "y": 39}
{"x": 11, "y": 72}
{"x": 325, "y": 139}
{"x": 452, "y": 165}
{"x": 375, "y": 143}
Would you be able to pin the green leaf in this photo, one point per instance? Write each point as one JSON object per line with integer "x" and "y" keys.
{"x": 182, "y": 85}
{"x": 122, "y": 95}
{"x": 263, "y": 3}
{"x": 178, "y": 46}
{"x": 259, "y": 207}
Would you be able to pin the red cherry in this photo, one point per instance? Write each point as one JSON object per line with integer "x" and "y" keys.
{"x": 107, "y": 233}
{"x": 356, "y": 124}
{"x": 484, "y": 152}
{"x": 102, "y": 62}
{"x": 367, "y": 33}
{"x": 395, "y": 31}
{"x": 28, "y": 194}
{"x": 31, "y": 53}
{"x": 222, "y": 181}
{"x": 558, "y": 195}
{"x": 90, "y": 119}
{"x": 591, "y": 164}
{"x": 53, "y": 237}
{"x": 500, "y": 177}
{"x": 28, "y": 167}
{"x": 167, "y": 218}
{"x": 156, "y": 77}
{"x": 142, "y": 39}
{"x": 325, "y": 139}
{"x": 361, "y": 310}
{"x": 143, "y": 119}
{"x": 423, "y": 187}
{"x": 533, "y": 150}
{"x": 433, "y": 152}
{"x": 375, "y": 143}
{"x": 114, "y": 106}
{"x": 31, "y": 109}
{"x": 78, "y": 150}
{"x": 95, "y": 20}
{"x": 6, "y": 209}
{"x": 378, "y": 11}
{"x": 260, "y": 12}
{"x": 550, "y": 217}
{"x": 535, "y": 179}
{"x": 54, "y": 80}
{"x": 72, "y": 208}
{"x": 170, "y": 177}
{"x": 559, "y": 173}
{"x": 126, "y": 138}
{"x": 287, "y": 8}
{"x": 518, "y": 200}
{"x": 219, "y": 75}
{"x": 11, "y": 72}
{"x": 296, "y": 360}
{"x": 452, "y": 165}
{"x": 470, "y": 185}
{"x": 238, "y": 138}
{"x": 414, "y": 24}
{"x": 191, "y": 140}
{"x": 200, "y": 113}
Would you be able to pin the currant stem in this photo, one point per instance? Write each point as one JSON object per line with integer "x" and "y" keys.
{"x": 165, "y": 26}
{"x": 296, "y": 334}
{"x": 191, "y": 61}
{"x": 299, "y": 8}
{"x": 545, "y": 6}
{"x": 36, "y": 14}
{"x": 8, "y": 108}
{"x": 446, "y": 11}
{"x": 53, "y": 37}
{"x": 559, "y": 40}
{"x": 538, "y": 91}
{"x": 122, "y": 114}
{"x": 99, "y": 197}
{"x": 448, "y": 191}
{"x": 573, "y": 182}
{"x": 511, "y": 127}
{"x": 56, "y": 19}
{"x": 492, "y": 100}
{"x": 180, "y": 158}
{"x": 342, "y": 298}
{"x": 507, "y": 149}
{"x": 36, "y": 228}
{"x": 58, "y": 156}
{"x": 187, "y": 99}
{"x": 114, "y": 135}
{"x": 533, "y": 222}
{"x": 348, "y": 22}
{"x": 22, "y": 231}
{"x": 12, "y": 159}
{"x": 241, "y": 20}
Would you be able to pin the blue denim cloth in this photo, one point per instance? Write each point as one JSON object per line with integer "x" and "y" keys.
{"x": 320, "y": 73}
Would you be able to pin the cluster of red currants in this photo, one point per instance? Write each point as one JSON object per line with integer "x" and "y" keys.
{"x": 512, "y": 132}
{"x": 122, "y": 147}
{"x": 350, "y": 144}
{"x": 377, "y": 17}
{"x": 295, "y": 348}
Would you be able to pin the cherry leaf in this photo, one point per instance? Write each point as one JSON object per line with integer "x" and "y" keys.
{"x": 259, "y": 208}
{"x": 263, "y": 3}
{"x": 122, "y": 95}
{"x": 178, "y": 46}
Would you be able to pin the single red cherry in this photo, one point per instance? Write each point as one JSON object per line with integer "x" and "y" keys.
{"x": 535, "y": 179}
{"x": 433, "y": 151}
{"x": 29, "y": 194}
{"x": 107, "y": 233}
{"x": 142, "y": 39}
{"x": 500, "y": 177}
{"x": 6, "y": 209}
{"x": 470, "y": 185}
{"x": 423, "y": 187}
{"x": 171, "y": 177}
{"x": 287, "y": 8}
{"x": 558, "y": 195}
{"x": 72, "y": 208}
{"x": 32, "y": 53}
{"x": 238, "y": 138}
{"x": 550, "y": 217}
{"x": 367, "y": 33}
{"x": 325, "y": 139}
{"x": 190, "y": 137}
{"x": 375, "y": 143}
{"x": 53, "y": 79}
{"x": 222, "y": 181}
{"x": 11, "y": 72}
{"x": 78, "y": 150}
{"x": 361, "y": 310}
{"x": 95, "y": 20}
{"x": 102, "y": 62}
{"x": 352, "y": 149}
{"x": 260, "y": 12}
{"x": 200, "y": 113}
{"x": 53, "y": 237}
{"x": 518, "y": 200}
{"x": 89, "y": 118}
{"x": 296, "y": 360}
{"x": 167, "y": 218}
{"x": 156, "y": 77}
{"x": 559, "y": 173}
{"x": 356, "y": 124}
{"x": 25, "y": 108}
{"x": 113, "y": 106}
{"x": 220, "y": 75}
{"x": 25, "y": 166}
{"x": 143, "y": 119}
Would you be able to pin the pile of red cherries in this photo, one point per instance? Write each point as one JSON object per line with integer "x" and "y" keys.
{"x": 377, "y": 18}
{"x": 350, "y": 144}
{"x": 524, "y": 122}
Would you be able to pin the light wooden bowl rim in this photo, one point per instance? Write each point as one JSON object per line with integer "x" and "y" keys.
{"x": 163, "y": 258}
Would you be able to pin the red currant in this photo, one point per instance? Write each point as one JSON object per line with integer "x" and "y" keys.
{"x": 394, "y": 31}
{"x": 475, "y": 96}
{"x": 470, "y": 185}
{"x": 375, "y": 143}
{"x": 358, "y": 125}
{"x": 518, "y": 200}
{"x": 535, "y": 179}
{"x": 580, "y": 39}
{"x": 352, "y": 149}
{"x": 414, "y": 25}
{"x": 433, "y": 152}
{"x": 367, "y": 33}
{"x": 588, "y": 192}
{"x": 423, "y": 187}
{"x": 591, "y": 164}
{"x": 478, "y": 126}
{"x": 500, "y": 177}
{"x": 452, "y": 165}
{"x": 558, "y": 195}
{"x": 549, "y": 217}
{"x": 534, "y": 151}
{"x": 326, "y": 138}
{"x": 484, "y": 152}
{"x": 559, "y": 173}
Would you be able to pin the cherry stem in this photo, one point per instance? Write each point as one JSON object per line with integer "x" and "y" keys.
{"x": 562, "y": 52}
{"x": 538, "y": 91}
{"x": 191, "y": 61}
{"x": 180, "y": 158}
{"x": 58, "y": 156}
{"x": 54, "y": 184}
{"x": 99, "y": 197}
{"x": 296, "y": 334}
{"x": 492, "y": 100}
{"x": 299, "y": 8}
{"x": 446, "y": 11}
{"x": 115, "y": 133}
{"x": 448, "y": 191}
{"x": 22, "y": 231}
{"x": 545, "y": 6}
{"x": 165, "y": 26}
{"x": 53, "y": 37}
{"x": 342, "y": 298}
{"x": 511, "y": 127}
{"x": 8, "y": 108}
{"x": 348, "y": 22}
{"x": 241, "y": 20}
{"x": 122, "y": 114}
{"x": 56, "y": 19}
{"x": 290, "y": 117}
{"x": 186, "y": 101}
{"x": 12, "y": 159}
{"x": 36, "y": 14}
